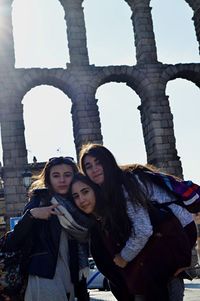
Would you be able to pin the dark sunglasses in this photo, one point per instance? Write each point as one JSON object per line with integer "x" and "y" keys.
{"x": 56, "y": 160}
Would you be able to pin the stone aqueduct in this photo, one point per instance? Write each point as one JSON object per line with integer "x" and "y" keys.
{"x": 80, "y": 81}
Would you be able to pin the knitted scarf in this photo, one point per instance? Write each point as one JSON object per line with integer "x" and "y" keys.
{"x": 77, "y": 226}
{"x": 71, "y": 219}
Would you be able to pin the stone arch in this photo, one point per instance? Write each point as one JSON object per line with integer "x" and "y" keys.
{"x": 133, "y": 77}
{"x": 79, "y": 81}
{"x": 127, "y": 142}
{"x": 186, "y": 71}
{"x": 57, "y": 78}
{"x": 186, "y": 122}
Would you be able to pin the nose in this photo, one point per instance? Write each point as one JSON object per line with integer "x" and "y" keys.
{"x": 95, "y": 167}
{"x": 81, "y": 199}
{"x": 62, "y": 179}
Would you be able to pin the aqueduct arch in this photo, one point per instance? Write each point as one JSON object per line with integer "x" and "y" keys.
{"x": 79, "y": 81}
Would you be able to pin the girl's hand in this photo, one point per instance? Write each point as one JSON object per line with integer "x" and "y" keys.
{"x": 119, "y": 261}
{"x": 179, "y": 271}
{"x": 44, "y": 212}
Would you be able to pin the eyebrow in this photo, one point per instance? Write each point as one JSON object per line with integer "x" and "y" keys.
{"x": 87, "y": 187}
{"x": 84, "y": 188}
{"x": 95, "y": 160}
{"x": 66, "y": 172}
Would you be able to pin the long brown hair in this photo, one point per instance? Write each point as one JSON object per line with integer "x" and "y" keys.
{"x": 43, "y": 179}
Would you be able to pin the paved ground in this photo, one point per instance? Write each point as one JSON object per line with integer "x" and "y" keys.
{"x": 192, "y": 292}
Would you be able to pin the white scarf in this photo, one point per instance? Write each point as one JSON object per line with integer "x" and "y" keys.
{"x": 67, "y": 221}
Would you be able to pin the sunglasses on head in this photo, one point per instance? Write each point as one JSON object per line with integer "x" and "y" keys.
{"x": 67, "y": 160}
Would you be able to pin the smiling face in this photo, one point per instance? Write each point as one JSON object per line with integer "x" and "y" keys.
{"x": 60, "y": 178}
{"x": 84, "y": 197}
{"x": 94, "y": 169}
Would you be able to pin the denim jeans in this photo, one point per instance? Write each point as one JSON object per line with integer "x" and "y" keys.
{"x": 176, "y": 289}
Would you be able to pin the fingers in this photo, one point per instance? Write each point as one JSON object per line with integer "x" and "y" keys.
{"x": 179, "y": 271}
{"x": 53, "y": 206}
{"x": 119, "y": 261}
{"x": 45, "y": 212}
{"x": 54, "y": 210}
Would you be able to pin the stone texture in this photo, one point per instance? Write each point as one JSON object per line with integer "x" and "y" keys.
{"x": 80, "y": 81}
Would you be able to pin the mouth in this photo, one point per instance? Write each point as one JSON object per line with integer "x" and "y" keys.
{"x": 62, "y": 187}
{"x": 97, "y": 176}
{"x": 98, "y": 179}
{"x": 62, "y": 191}
{"x": 85, "y": 207}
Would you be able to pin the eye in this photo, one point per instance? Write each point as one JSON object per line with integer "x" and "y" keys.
{"x": 88, "y": 166}
{"x": 68, "y": 175}
{"x": 75, "y": 196}
{"x": 85, "y": 191}
{"x": 55, "y": 175}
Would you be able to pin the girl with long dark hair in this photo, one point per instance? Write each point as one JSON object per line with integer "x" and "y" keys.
{"x": 131, "y": 222}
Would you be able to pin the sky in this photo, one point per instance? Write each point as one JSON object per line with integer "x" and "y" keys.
{"x": 40, "y": 41}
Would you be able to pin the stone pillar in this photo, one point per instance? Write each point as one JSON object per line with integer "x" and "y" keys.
{"x": 14, "y": 156}
{"x": 76, "y": 32}
{"x": 143, "y": 30}
{"x": 195, "y": 5}
{"x": 157, "y": 122}
{"x": 196, "y": 19}
{"x": 86, "y": 121}
{"x": 7, "y": 56}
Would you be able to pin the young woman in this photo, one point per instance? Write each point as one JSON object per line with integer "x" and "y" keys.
{"x": 145, "y": 277}
{"x": 57, "y": 232}
{"x": 123, "y": 189}
{"x": 87, "y": 197}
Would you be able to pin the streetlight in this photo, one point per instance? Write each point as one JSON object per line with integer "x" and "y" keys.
{"x": 27, "y": 175}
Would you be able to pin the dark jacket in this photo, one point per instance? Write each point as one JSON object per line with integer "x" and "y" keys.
{"x": 106, "y": 266}
{"x": 149, "y": 272}
{"x": 43, "y": 237}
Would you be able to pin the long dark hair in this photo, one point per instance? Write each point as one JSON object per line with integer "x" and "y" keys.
{"x": 113, "y": 209}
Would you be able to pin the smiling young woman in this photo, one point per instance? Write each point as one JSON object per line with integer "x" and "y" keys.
{"x": 135, "y": 206}
{"x": 59, "y": 255}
